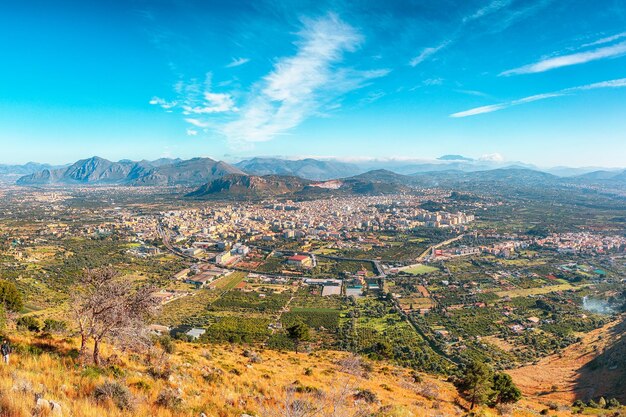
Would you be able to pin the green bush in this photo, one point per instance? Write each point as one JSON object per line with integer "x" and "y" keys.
{"x": 54, "y": 326}
{"x": 29, "y": 323}
{"x": 10, "y": 297}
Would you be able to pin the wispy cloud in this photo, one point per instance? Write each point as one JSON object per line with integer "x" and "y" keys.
{"x": 300, "y": 85}
{"x": 427, "y": 53}
{"x": 236, "y": 62}
{"x": 195, "y": 98}
{"x": 196, "y": 122}
{"x": 492, "y": 7}
{"x": 507, "y": 15}
{"x": 212, "y": 103}
{"x": 618, "y": 83}
{"x": 607, "y": 39}
{"x": 433, "y": 81}
{"x": 308, "y": 83}
{"x": 548, "y": 64}
{"x": 621, "y": 82}
{"x": 164, "y": 104}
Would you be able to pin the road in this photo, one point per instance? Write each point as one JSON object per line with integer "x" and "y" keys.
{"x": 438, "y": 245}
{"x": 165, "y": 237}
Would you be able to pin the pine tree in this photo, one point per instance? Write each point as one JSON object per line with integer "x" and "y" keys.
{"x": 299, "y": 332}
{"x": 504, "y": 390}
{"x": 476, "y": 383}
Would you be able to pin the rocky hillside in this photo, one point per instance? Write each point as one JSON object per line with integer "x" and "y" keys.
{"x": 45, "y": 379}
{"x": 249, "y": 186}
{"x": 256, "y": 187}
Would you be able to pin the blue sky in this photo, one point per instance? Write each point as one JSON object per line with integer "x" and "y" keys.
{"x": 539, "y": 81}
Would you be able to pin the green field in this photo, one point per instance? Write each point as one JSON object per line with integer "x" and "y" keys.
{"x": 231, "y": 281}
{"x": 419, "y": 269}
{"x": 525, "y": 292}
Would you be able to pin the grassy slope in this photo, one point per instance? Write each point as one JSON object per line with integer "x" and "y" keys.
{"x": 571, "y": 372}
{"x": 220, "y": 381}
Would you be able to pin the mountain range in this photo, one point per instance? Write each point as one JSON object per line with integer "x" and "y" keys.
{"x": 308, "y": 178}
{"x": 309, "y": 168}
{"x": 162, "y": 172}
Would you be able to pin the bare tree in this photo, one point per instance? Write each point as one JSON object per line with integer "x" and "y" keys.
{"x": 106, "y": 306}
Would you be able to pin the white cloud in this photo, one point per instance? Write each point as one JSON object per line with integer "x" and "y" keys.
{"x": 568, "y": 60}
{"x": 506, "y": 17}
{"x": 608, "y": 39}
{"x": 308, "y": 83}
{"x": 213, "y": 103}
{"x": 373, "y": 96}
{"x": 618, "y": 83}
{"x": 192, "y": 132}
{"x": 491, "y": 157}
{"x": 301, "y": 84}
{"x": 196, "y": 122}
{"x": 164, "y": 104}
{"x": 621, "y": 82}
{"x": 492, "y": 7}
{"x": 495, "y": 107}
{"x": 433, "y": 81}
{"x": 237, "y": 62}
{"x": 427, "y": 53}
{"x": 479, "y": 110}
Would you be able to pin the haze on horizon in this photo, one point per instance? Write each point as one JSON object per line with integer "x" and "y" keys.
{"x": 539, "y": 81}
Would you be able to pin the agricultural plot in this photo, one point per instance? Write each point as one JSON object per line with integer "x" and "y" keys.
{"x": 525, "y": 292}
{"x": 316, "y": 318}
{"x": 229, "y": 282}
{"x": 419, "y": 269}
{"x": 415, "y": 303}
{"x": 237, "y": 329}
{"x": 187, "y": 309}
{"x": 250, "y": 302}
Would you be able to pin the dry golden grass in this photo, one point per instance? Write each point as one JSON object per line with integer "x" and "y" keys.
{"x": 558, "y": 377}
{"x": 222, "y": 381}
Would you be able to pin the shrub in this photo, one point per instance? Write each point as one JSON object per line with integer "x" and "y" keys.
{"x": 141, "y": 385}
{"x": 166, "y": 343}
{"x": 160, "y": 371}
{"x": 417, "y": 378}
{"x": 10, "y": 297}
{"x": 429, "y": 391}
{"x": 29, "y": 323}
{"x": 54, "y": 326}
{"x": 365, "y": 395}
{"x": 169, "y": 398}
{"x": 115, "y": 392}
{"x": 92, "y": 372}
{"x": 613, "y": 403}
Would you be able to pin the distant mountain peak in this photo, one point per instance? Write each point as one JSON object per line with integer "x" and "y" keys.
{"x": 454, "y": 158}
